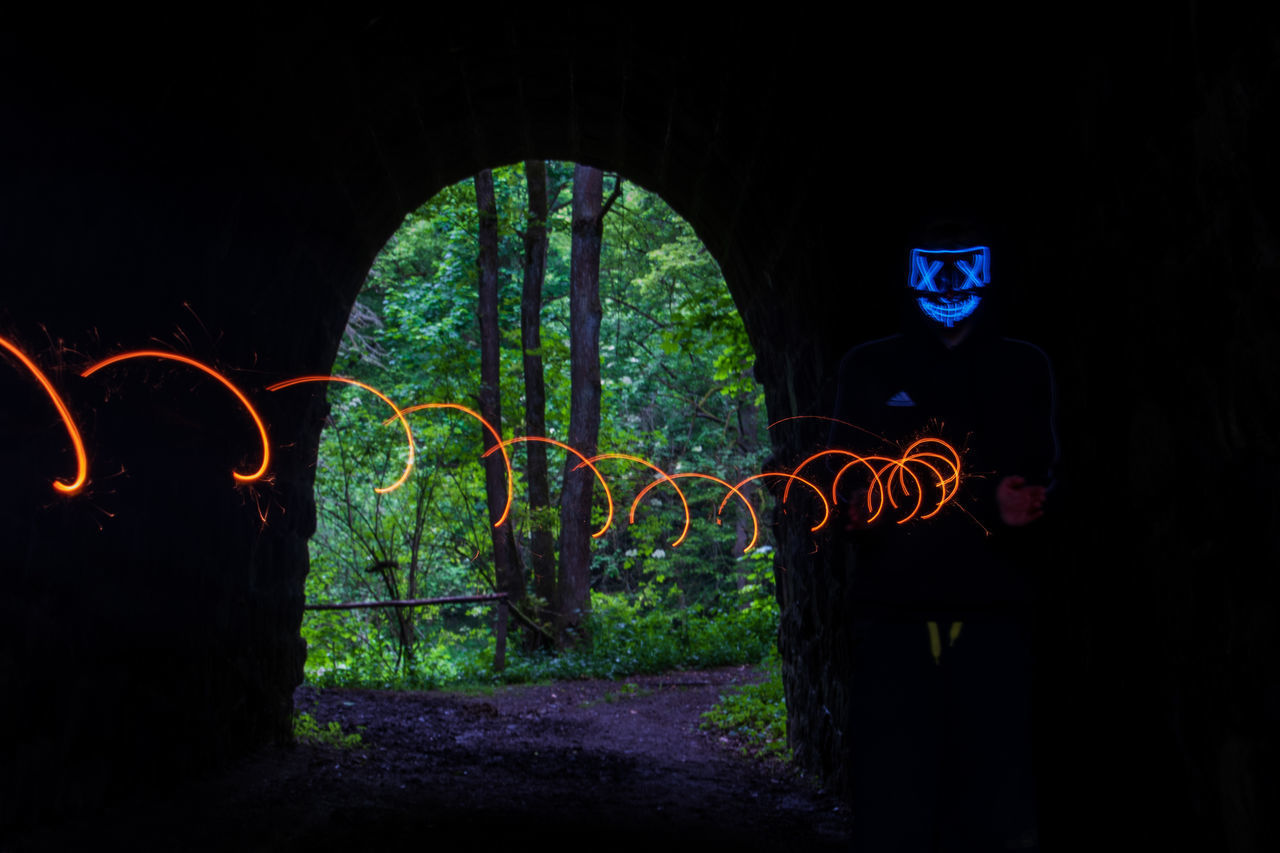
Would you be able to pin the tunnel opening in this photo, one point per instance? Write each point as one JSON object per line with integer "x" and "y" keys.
{"x": 262, "y": 189}
{"x": 681, "y": 430}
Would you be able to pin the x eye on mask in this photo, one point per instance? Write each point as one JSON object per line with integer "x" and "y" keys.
{"x": 949, "y": 282}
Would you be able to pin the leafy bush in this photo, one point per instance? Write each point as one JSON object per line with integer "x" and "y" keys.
{"x": 629, "y": 638}
{"x": 307, "y": 730}
{"x": 630, "y": 635}
{"x": 754, "y": 715}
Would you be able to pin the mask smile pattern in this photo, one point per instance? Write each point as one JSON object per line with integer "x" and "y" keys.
{"x": 949, "y": 281}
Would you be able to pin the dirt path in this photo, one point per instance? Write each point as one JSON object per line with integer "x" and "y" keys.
{"x": 585, "y": 765}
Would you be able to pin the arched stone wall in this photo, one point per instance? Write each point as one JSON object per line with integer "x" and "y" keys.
{"x": 225, "y": 191}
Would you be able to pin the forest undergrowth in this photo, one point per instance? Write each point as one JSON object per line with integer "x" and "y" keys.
{"x": 667, "y": 584}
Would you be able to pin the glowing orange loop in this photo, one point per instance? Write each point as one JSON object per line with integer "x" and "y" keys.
{"x": 82, "y": 460}
{"x": 755, "y": 523}
{"x": 244, "y": 401}
{"x": 903, "y": 470}
{"x": 631, "y": 519}
{"x": 888, "y": 489}
{"x": 826, "y": 507}
{"x": 506, "y": 460}
{"x": 902, "y": 477}
{"x": 899, "y": 469}
{"x": 933, "y": 440}
{"x": 786, "y": 492}
{"x": 953, "y": 460}
{"x": 607, "y": 494}
{"x": 919, "y": 459}
{"x": 877, "y": 487}
{"x": 942, "y": 483}
{"x": 408, "y": 468}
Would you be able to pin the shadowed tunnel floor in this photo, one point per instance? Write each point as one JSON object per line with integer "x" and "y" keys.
{"x": 578, "y": 763}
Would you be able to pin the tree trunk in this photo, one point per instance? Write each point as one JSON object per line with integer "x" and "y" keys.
{"x": 573, "y": 585}
{"x": 748, "y": 448}
{"x": 541, "y": 541}
{"x": 505, "y": 568}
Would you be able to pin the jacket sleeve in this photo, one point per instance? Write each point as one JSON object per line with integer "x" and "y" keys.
{"x": 1034, "y": 411}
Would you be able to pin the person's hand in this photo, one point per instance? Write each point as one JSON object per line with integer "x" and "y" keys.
{"x": 1019, "y": 503}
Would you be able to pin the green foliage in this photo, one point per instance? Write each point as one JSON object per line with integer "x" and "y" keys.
{"x": 677, "y": 389}
{"x": 755, "y": 715}
{"x": 307, "y": 730}
{"x": 630, "y": 637}
{"x": 457, "y": 652}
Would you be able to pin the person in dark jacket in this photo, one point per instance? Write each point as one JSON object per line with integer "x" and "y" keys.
{"x": 941, "y": 607}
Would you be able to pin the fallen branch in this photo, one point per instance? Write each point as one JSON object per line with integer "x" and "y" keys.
{"x": 409, "y": 602}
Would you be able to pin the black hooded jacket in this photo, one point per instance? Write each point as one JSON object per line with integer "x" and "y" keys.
{"x": 993, "y": 399}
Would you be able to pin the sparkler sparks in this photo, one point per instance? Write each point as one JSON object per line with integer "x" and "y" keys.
{"x": 173, "y": 356}
{"x": 898, "y": 469}
{"x": 927, "y": 465}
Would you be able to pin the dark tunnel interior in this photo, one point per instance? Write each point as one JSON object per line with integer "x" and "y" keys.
{"x": 222, "y": 191}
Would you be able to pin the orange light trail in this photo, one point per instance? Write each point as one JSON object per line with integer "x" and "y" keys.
{"x": 941, "y": 484}
{"x": 831, "y": 420}
{"x": 506, "y": 460}
{"x": 903, "y": 470}
{"x": 878, "y": 485}
{"x": 826, "y": 507}
{"x": 408, "y": 468}
{"x": 900, "y": 469}
{"x": 755, "y": 523}
{"x": 82, "y": 459}
{"x": 786, "y": 492}
{"x": 631, "y": 518}
{"x": 173, "y": 356}
{"x": 888, "y": 475}
{"x": 953, "y": 461}
{"x": 585, "y": 461}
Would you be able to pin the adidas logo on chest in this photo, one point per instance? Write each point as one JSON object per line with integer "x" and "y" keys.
{"x": 902, "y": 398}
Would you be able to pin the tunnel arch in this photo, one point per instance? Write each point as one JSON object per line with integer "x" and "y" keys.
{"x": 317, "y": 146}
{"x": 254, "y": 169}
{"x": 295, "y": 172}
{"x": 742, "y": 524}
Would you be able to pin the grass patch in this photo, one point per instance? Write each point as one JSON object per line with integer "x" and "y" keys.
{"x": 754, "y": 716}
{"x": 307, "y": 730}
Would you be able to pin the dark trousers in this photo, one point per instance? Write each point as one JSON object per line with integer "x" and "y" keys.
{"x": 942, "y": 749}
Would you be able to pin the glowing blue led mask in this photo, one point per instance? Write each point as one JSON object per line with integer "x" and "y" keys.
{"x": 949, "y": 282}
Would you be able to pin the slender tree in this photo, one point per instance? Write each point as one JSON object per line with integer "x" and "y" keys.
{"x": 748, "y": 447}
{"x": 542, "y": 559}
{"x": 507, "y": 574}
{"x": 573, "y": 584}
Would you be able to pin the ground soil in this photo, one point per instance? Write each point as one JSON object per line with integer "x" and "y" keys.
{"x": 584, "y": 765}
